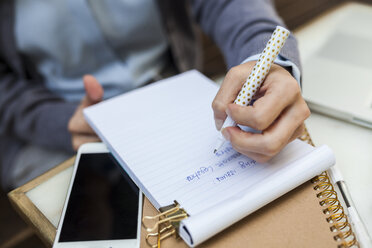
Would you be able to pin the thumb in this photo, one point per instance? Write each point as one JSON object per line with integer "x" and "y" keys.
{"x": 93, "y": 91}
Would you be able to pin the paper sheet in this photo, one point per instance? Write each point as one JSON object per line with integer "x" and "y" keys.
{"x": 164, "y": 137}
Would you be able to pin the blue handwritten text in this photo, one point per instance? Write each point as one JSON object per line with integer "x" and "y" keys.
{"x": 225, "y": 161}
{"x": 245, "y": 164}
{"x": 200, "y": 172}
{"x": 227, "y": 174}
{"x": 224, "y": 151}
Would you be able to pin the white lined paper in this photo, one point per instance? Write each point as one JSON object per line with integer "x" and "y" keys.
{"x": 165, "y": 132}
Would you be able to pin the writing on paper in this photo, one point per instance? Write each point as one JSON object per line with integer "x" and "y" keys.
{"x": 224, "y": 151}
{"x": 225, "y": 161}
{"x": 226, "y": 175}
{"x": 200, "y": 172}
{"x": 229, "y": 164}
{"x": 246, "y": 164}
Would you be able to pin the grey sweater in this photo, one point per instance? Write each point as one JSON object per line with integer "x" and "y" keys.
{"x": 29, "y": 113}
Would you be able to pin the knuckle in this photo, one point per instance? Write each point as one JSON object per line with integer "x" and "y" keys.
{"x": 297, "y": 92}
{"x": 237, "y": 143}
{"x": 218, "y": 106}
{"x": 259, "y": 121}
{"x": 306, "y": 111}
{"x": 303, "y": 111}
{"x": 294, "y": 88}
{"x": 233, "y": 75}
{"x": 272, "y": 146}
{"x": 237, "y": 148}
{"x": 233, "y": 71}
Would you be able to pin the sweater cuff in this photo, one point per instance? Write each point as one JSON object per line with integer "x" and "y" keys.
{"x": 280, "y": 60}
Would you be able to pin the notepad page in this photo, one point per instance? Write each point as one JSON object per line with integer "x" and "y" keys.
{"x": 164, "y": 135}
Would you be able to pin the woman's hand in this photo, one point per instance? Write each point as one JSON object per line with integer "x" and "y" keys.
{"x": 279, "y": 112}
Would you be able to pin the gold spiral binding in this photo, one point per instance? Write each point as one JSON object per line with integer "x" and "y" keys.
{"x": 333, "y": 209}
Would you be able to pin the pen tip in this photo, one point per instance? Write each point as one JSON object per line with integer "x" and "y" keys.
{"x": 215, "y": 150}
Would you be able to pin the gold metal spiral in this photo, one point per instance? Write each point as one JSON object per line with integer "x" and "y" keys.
{"x": 332, "y": 206}
{"x": 323, "y": 186}
{"x": 334, "y": 211}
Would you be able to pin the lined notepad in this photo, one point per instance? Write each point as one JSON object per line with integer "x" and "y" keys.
{"x": 164, "y": 134}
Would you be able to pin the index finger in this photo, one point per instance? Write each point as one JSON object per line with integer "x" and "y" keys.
{"x": 228, "y": 91}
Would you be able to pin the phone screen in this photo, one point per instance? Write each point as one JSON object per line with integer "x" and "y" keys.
{"x": 103, "y": 203}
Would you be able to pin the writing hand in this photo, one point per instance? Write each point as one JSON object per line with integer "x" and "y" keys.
{"x": 80, "y": 131}
{"x": 279, "y": 112}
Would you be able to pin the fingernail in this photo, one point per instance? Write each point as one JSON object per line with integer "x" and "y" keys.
{"x": 226, "y": 134}
{"x": 218, "y": 123}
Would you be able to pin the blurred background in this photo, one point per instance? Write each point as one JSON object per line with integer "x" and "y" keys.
{"x": 296, "y": 14}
